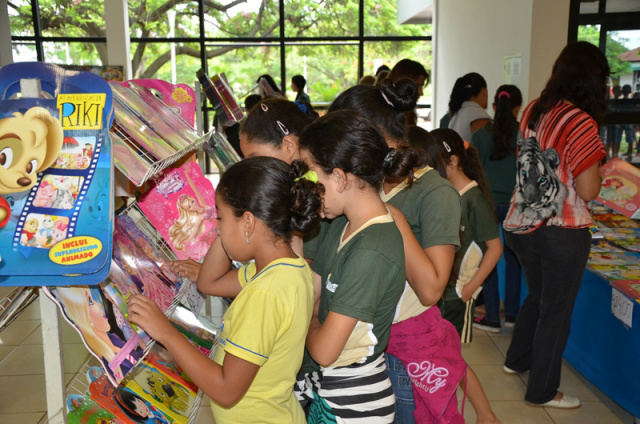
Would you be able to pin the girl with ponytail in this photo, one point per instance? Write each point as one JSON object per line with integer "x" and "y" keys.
{"x": 467, "y": 105}
{"x": 496, "y": 144}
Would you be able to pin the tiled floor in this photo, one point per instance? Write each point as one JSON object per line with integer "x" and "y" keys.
{"x": 22, "y": 393}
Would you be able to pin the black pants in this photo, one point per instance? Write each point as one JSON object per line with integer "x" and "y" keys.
{"x": 553, "y": 259}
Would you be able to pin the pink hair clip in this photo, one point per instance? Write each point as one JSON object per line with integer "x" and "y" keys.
{"x": 264, "y": 107}
{"x": 283, "y": 128}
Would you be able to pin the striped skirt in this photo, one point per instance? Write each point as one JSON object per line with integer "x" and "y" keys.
{"x": 355, "y": 394}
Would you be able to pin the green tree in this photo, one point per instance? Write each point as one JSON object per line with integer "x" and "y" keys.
{"x": 330, "y": 67}
{"x": 615, "y": 47}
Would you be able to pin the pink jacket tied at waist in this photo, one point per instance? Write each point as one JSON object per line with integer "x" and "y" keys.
{"x": 429, "y": 348}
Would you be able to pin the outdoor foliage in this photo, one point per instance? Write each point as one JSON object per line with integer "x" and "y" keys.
{"x": 329, "y": 67}
{"x": 615, "y": 47}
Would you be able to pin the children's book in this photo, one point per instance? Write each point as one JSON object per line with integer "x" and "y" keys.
{"x": 602, "y": 245}
{"x": 614, "y": 220}
{"x": 160, "y": 358}
{"x": 219, "y": 149}
{"x": 140, "y": 136}
{"x": 127, "y": 159}
{"x": 619, "y": 191}
{"x": 221, "y": 96}
{"x": 197, "y": 330}
{"x": 143, "y": 271}
{"x": 155, "y": 115}
{"x": 106, "y": 333}
{"x": 157, "y": 388}
{"x": 629, "y": 287}
{"x": 179, "y": 97}
{"x": 56, "y": 189}
{"x": 181, "y": 207}
{"x": 125, "y": 404}
{"x": 84, "y": 410}
{"x": 626, "y": 238}
{"x": 156, "y": 249}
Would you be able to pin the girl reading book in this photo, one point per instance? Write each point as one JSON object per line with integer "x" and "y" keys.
{"x": 260, "y": 202}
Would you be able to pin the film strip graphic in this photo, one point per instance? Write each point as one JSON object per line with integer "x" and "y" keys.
{"x": 37, "y": 216}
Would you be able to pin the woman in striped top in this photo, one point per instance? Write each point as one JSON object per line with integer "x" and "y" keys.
{"x": 558, "y": 172}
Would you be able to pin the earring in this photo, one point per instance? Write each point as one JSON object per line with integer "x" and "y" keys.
{"x": 246, "y": 235}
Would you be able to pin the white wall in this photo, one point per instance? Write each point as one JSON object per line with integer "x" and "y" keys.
{"x": 475, "y": 36}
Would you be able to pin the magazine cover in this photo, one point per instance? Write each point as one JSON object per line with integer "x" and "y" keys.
{"x": 84, "y": 410}
{"x": 181, "y": 207}
{"x": 172, "y": 398}
{"x": 221, "y": 152}
{"x": 619, "y": 189}
{"x": 140, "y": 136}
{"x": 105, "y": 332}
{"x": 56, "y": 182}
{"x": 128, "y": 406}
{"x": 145, "y": 274}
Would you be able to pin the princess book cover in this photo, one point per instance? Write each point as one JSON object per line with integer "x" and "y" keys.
{"x": 614, "y": 220}
{"x": 157, "y": 388}
{"x": 181, "y": 207}
{"x": 619, "y": 191}
{"x": 143, "y": 271}
{"x": 128, "y": 406}
{"x": 629, "y": 287}
{"x": 105, "y": 331}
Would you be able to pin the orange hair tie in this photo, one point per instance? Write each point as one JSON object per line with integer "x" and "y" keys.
{"x": 466, "y": 144}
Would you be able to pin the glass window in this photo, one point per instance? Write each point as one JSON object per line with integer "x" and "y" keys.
{"x": 243, "y": 64}
{"x": 381, "y": 19}
{"x": 315, "y": 18}
{"x": 328, "y": 68}
{"x": 20, "y": 18}
{"x": 590, "y": 33}
{"x": 24, "y": 52}
{"x": 161, "y": 19}
{"x": 589, "y": 7}
{"x": 76, "y": 53}
{"x": 250, "y": 18}
{"x": 621, "y": 6}
{"x": 153, "y": 60}
{"x": 72, "y": 19}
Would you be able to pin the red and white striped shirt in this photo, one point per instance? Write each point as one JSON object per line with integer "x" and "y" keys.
{"x": 574, "y": 134}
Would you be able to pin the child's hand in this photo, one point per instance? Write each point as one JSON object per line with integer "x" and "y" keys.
{"x": 185, "y": 268}
{"x": 145, "y": 313}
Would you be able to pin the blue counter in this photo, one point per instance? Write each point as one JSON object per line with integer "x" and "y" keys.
{"x": 602, "y": 348}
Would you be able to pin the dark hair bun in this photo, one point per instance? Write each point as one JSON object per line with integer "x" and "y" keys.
{"x": 307, "y": 200}
{"x": 403, "y": 94}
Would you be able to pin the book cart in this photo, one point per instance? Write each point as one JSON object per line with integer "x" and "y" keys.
{"x": 604, "y": 341}
{"x": 154, "y": 147}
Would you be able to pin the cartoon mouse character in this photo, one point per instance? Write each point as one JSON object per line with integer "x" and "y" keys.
{"x": 29, "y": 143}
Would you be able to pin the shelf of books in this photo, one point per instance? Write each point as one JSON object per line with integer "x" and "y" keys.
{"x": 57, "y": 225}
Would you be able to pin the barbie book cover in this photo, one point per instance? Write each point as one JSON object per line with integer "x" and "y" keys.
{"x": 106, "y": 333}
{"x": 181, "y": 207}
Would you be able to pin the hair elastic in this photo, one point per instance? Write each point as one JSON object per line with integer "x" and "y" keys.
{"x": 446, "y": 146}
{"x": 386, "y": 99}
{"x": 388, "y": 158}
{"x": 465, "y": 143}
{"x": 283, "y": 128}
{"x": 309, "y": 176}
{"x": 467, "y": 86}
{"x": 504, "y": 94}
{"x": 264, "y": 107}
